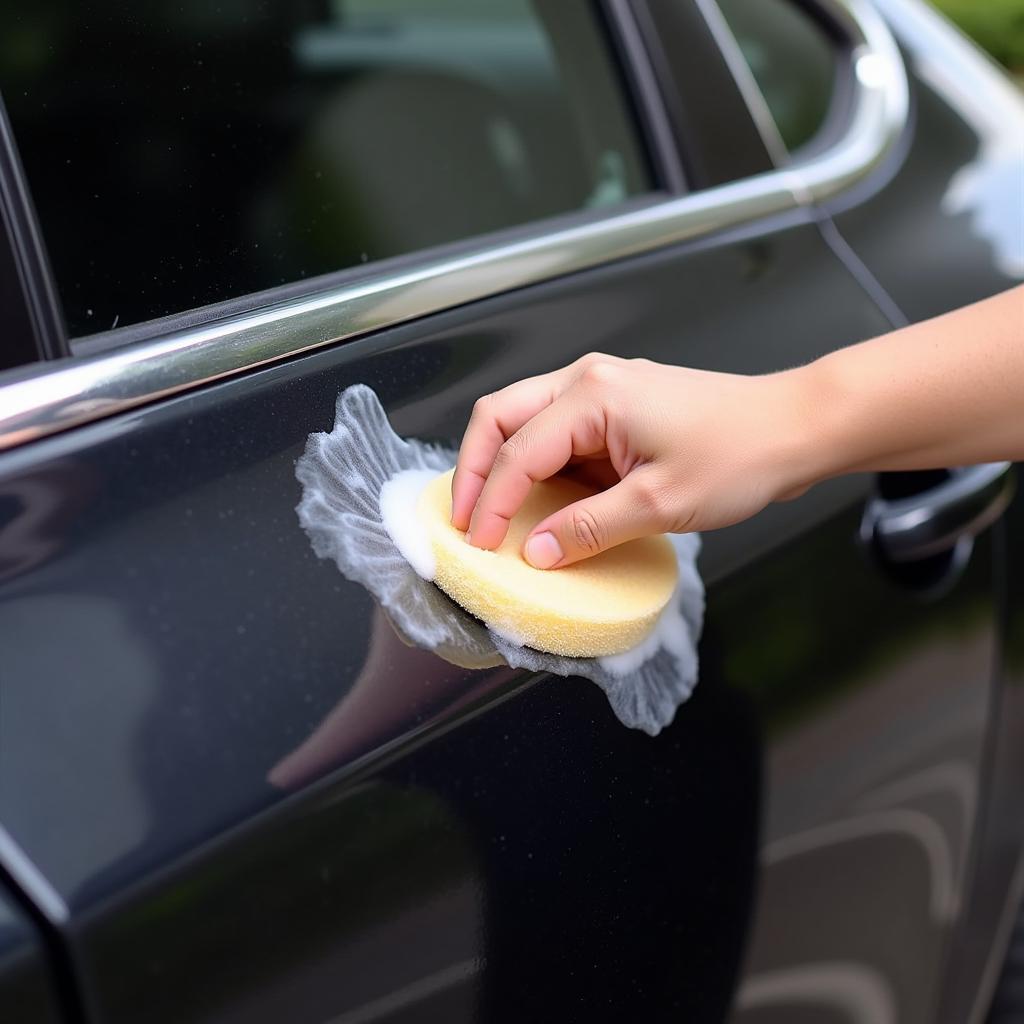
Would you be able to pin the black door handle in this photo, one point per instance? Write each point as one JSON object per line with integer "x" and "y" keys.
{"x": 936, "y": 520}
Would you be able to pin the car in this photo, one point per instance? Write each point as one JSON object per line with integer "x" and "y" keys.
{"x": 228, "y": 791}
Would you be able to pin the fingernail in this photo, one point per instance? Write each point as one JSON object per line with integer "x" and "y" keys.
{"x": 469, "y": 537}
{"x": 543, "y": 551}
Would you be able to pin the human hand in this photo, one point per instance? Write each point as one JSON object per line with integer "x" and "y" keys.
{"x": 678, "y": 450}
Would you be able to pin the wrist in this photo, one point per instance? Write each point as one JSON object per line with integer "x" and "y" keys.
{"x": 815, "y": 415}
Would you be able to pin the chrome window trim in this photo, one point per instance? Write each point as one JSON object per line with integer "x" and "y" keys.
{"x": 59, "y": 395}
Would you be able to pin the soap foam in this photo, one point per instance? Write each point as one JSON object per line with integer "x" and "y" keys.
{"x": 398, "y": 499}
{"x": 646, "y": 684}
{"x": 360, "y": 484}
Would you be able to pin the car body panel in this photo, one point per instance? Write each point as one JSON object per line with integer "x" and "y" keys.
{"x": 201, "y": 642}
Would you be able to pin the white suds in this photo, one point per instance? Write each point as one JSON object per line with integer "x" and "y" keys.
{"x": 508, "y": 635}
{"x": 669, "y": 625}
{"x": 398, "y": 498}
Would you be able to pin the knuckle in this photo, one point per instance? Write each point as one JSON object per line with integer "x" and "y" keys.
{"x": 684, "y": 521}
{"x": 482, "y": 404}
{"x": 599, "y": 373}
{"x": 586, "y": 531}
{"x": 680, "y": 516}
{"x": 652, "y": 500}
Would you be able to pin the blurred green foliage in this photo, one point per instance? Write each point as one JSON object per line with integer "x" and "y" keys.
{"x": 996, "y": 25}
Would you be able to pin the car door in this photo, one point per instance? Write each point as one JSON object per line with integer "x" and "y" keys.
{"x": 234, "y": 793}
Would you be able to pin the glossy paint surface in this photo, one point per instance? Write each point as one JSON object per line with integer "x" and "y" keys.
{"x": 942, "y": 225}
{"x": 461, "y": 845}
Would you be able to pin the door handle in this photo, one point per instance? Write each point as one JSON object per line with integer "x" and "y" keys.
{"x": 936, "y": 520}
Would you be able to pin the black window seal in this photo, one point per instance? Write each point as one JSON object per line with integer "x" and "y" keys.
{"x": 715, "y": 136}
{"x": 28, "y": 251}
{"x": 634, "y": 59}
{"x": 843, "y": 79}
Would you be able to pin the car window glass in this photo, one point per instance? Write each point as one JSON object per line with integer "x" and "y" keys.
{"x": 183, "y": 153}
{"x": 792, "y": 59}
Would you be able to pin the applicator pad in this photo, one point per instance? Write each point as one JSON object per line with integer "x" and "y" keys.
{"x": 602, "y": 605}
{"x": 361, "y": 490}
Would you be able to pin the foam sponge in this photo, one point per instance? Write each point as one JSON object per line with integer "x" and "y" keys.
{"x": 603, "y": 605}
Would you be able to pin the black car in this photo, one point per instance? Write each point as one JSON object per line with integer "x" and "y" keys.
{"x": 228, "y": 791}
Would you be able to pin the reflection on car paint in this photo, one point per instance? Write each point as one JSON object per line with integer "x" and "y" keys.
{"x": 899, "y": 787}
{"x": 988, "y": 188}
{"x": 379, "y": 707}
{"x": 354, "y": 476}
{"x": 853, "y": 992}
{"x": 98, "y": 646}
{"x": 36, "y": 511}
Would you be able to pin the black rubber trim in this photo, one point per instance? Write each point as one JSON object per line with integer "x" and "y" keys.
{"x": 859, "y": 270}
{"x": 629, "y": 46}
{"x": 17, "y": 339}
{"x": 1008, "y": 1001}
{"x": 715, "y": 136}
{"x": 837, "y": 118}
{"x": 62, "y": 971}
{"x": 28, "y": 254}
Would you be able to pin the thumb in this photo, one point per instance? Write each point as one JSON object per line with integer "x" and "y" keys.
{"x": 592, "y": 525}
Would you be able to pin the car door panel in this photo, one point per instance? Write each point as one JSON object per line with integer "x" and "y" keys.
{"x": 483, "y": 845}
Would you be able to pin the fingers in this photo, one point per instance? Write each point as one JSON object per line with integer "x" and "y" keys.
{"x": 495, "y": 419}
{"x": 538, "y": 450}
{"x": 624, "y": 512}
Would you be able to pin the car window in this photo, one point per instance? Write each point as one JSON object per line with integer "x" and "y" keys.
{"x": 792, "y": 59}
{"x": 183, "y": 153}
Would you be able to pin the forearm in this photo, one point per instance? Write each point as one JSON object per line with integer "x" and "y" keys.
{"x": 946, "y": 392}
{"x": 683, "y": 450}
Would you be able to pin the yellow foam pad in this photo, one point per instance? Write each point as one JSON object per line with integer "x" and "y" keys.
{"x": 602, "y": 605}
